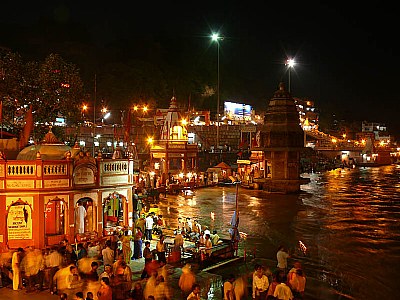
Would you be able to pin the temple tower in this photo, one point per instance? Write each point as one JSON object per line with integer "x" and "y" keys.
{"x": 172, "y": 155}
{"x": 280, "y": 141}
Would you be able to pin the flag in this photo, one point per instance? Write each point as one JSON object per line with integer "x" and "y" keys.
{"x": 116, "y": 134}
{"x": 127, "y": 131}
{"x": 26, "y": 131}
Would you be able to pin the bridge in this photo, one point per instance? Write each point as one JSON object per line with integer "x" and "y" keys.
{"x": 327, "y": 142}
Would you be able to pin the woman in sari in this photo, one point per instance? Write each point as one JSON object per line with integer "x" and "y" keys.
{"x": 126, "y": 247}
{"x": 137, "y": 251}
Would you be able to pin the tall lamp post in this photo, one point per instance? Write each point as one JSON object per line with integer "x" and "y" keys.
{"x": 290, "y": 63}
{"x": 215, "y": 37}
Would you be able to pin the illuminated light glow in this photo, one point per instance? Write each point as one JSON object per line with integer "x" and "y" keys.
{"x": 135, "y": 108}
{"x": 145, "y": 108}
{"x": 290, "y": 62}
{"x": 152, "y": 173}
{"x": 215, "y": 37}
{"x": 107, "y": 115}
{"x": 363, "y": 142}
{"x": 181, "y": 175}
{"x": 334, "y": 140}
{"x": 150, "y": 140}
{"x": 98, "y": 136}
{"x": 97, "y": 144}
{"x": 109, "y": 144}
{"x": 121, "y": 144}
{"x": 82, "y": 143}
{"x": 212, "y": 216}
{"x": 303, "y": 247}
{"x": 84, "y": 107}
{"x": 184, "y": 122}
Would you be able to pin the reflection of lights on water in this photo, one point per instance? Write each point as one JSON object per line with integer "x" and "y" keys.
{"x": 243, "y": 235}
{"x": 223, "y": 196}
{"x": 303, "y": 247}
{"x": 168, "y": 210}
{"x": 192, "y": 202}
{"x": 212, "y": 216}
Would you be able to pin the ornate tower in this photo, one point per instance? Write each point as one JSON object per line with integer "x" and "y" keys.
{"x": 281, "y": 141}
{"x": 172, "y": 155}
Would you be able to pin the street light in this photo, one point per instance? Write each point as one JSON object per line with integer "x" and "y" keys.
{"x": 215, "y": 37}
{"x": 290, "y": 63}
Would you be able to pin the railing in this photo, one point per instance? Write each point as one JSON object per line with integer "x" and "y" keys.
{"x": 59, "y": 169}
{"x": 114, "y": 167}
{"x": 20, "y": 170}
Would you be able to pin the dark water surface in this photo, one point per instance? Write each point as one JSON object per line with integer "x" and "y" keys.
{"x": 348, "y": 220}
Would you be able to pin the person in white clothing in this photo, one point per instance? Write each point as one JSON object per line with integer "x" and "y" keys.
{"x": 80, "y": 215}
{"x": 282, "y": 255}
{"x": 282, "y": 291}
{"x": 15, "y": 265}
{"x": 260, "y": 284}
{"x": 148, "y": 233}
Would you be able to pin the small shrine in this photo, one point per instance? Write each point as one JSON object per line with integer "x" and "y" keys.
{"x": 172, "y": 155}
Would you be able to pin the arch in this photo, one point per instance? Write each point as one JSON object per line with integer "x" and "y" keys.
{"x": 55, "y": 220}
{"x": 115, "y": 210}
{"x": 89, "y": 218}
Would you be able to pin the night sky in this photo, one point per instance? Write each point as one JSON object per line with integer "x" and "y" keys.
{"x": 345, "y": 53}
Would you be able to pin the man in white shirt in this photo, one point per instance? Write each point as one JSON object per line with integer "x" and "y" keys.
{"x": 260, "y": 284}
{"x": 281, "y": 256}
{"x": 108, "y": 254}
{"x": 149, "y": 228}
{"x": 80, "y": 215}
{"x": 15, "y": 265}
{"x": 282, "y": 291}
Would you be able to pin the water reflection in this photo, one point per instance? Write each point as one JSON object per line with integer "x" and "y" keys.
{"x": 348, "y": 220}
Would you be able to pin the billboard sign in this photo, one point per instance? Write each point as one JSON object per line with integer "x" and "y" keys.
{"x": 237, "y": 111}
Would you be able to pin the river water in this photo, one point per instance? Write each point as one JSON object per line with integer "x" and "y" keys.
{"x": 348, "y": 220}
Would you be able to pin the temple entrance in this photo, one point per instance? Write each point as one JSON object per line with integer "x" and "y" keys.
{"x": 54, "y": 215}
{"x": 114, "y": 207}
{"x": 85, "y": 216}
{"x": 85, "y": 220}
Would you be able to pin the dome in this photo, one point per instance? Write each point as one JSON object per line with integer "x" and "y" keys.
{"x": 49, "y": 149}
{"x": 47, "y": 152}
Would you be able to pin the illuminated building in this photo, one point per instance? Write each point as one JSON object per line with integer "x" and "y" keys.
{"x": 172, "y": 154}
{"x": 41, "y": 189}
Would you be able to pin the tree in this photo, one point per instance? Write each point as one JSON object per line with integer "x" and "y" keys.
{"x": 59, "y": 93}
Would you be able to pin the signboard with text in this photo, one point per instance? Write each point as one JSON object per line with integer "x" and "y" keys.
{"x": 19, "y": 221}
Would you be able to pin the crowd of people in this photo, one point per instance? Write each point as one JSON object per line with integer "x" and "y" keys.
{"x": 266, "y": 285}
{"x": 101, "y": 270}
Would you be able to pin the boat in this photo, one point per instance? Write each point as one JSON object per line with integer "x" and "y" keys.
{"x": 225, "y": 251}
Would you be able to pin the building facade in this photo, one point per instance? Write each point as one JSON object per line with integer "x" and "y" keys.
{"x": 52, "y": 192}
